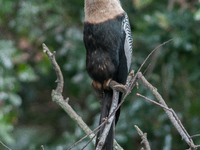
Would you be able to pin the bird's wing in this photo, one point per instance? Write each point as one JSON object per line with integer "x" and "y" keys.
{"x": 128, "y": 45}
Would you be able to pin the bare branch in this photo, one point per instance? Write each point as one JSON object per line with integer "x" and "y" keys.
{"x": 170, "y": 113}
{"x": 117, "y": 146}
{"x": 59, "y": 80}
{"x": 42, "y": 146}
{"x": 152, "y": 53}
{"x": 136, "y": 77}
{"x": 131, "y": 82}
{"x": 143, "y": 137}
{"x": 88, "y": 142}
{"x": 5, "y": 146}
{"x": 58, "y": 98}
{"x": 152, "y": 101}
{"x": 196, "y": 135}
{"x": 57, "y": 94}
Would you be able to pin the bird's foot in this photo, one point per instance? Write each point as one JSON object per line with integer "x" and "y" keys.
{"x": 106, "y": 84}
{"x": 96, "y": 85}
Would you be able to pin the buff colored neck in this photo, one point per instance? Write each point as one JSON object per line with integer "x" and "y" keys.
{"x": 98, "y": 11}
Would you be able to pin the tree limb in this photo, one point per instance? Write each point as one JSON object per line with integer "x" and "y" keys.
{"x": 5, "y": 145}
{"x": 57, "y": 94}
{"x": 170, "y": 113}
{"x": 131, "y": 82}
{"x": 58, "y": 98}
{"x": 144, "y": 138}
{"x": 59, "y": 80}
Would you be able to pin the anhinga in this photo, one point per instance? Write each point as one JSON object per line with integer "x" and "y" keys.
{"x": 108, "y": 42}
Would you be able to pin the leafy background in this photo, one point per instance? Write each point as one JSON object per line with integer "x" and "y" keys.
{"x": 28, "y": 117}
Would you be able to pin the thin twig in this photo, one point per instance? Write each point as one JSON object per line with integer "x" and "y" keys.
{"x": 60, "y": 81}
{"x": 196, "y": 135}
{"x": 152, "y": 53}
{"x": 57, "y": 94}
{"x": 152, "y": 101}
{"x": 166, "y": 108}
{"x": 170, "y": 113}
{"x": 143, "y": 137}
{"x": 146, "y": 69}
{"x": 88, "y": 142}
{"x": 42, "y": 146}
{"x": 91, "y": 133}
{"x": 5, "y": 146}
{"x": 135, "y": 79}
{"x": 117, "y": 146}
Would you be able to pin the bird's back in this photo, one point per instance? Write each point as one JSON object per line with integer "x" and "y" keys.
{"x": 103, "y": 44}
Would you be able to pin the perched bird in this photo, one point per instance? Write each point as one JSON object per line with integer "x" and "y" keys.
{"x": 108, "y": 42}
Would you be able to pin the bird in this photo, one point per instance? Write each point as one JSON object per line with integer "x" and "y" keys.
{"x": 108, "y": 41}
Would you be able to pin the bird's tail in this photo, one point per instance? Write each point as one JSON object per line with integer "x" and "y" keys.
{"x": 107, "y": 101}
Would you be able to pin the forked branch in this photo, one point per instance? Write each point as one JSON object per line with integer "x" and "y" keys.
{"x": 131, "y": 82}
{"x": 170, "y": 112}
{"x": 58, "y": 98}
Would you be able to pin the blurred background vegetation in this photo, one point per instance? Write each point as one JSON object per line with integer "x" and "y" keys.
{"x": 28, "y": 117}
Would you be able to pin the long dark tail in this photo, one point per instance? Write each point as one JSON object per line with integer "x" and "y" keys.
{"x": 107, "y": 101}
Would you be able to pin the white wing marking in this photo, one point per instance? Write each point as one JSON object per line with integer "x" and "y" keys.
{"x": 128, "y": 44}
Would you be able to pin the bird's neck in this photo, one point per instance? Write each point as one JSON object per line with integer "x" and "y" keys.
{"x": 97, "y": 11}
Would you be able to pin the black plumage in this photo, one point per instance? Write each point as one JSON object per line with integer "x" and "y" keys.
{"x": 108, "y": 51}
{"x": 104, "y": 44}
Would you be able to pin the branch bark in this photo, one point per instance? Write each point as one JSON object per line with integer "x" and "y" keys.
{"x": 58, "y": 98}
{"x": 144, "y": 138}
{"x": 57, "y": 94}
{"x": 4, "y": 145}
{"x": 131, "y": 82}
{"x": 170, "y": 113}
